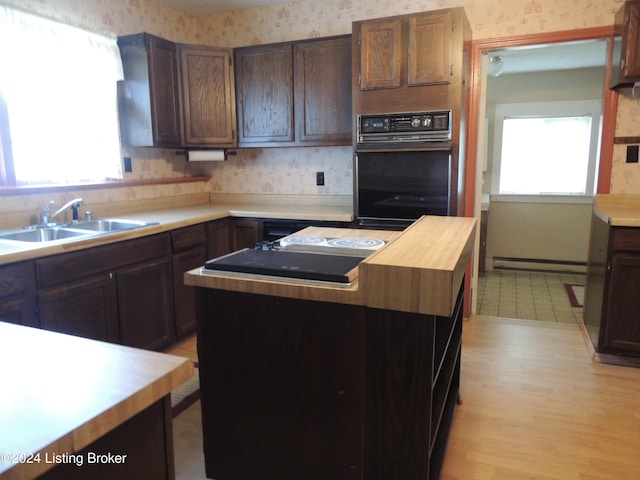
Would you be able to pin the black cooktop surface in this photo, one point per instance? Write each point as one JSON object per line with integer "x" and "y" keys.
{"x": 302, "y": 265}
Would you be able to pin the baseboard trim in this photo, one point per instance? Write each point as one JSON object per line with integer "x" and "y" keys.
{"x": 538, "y": 265}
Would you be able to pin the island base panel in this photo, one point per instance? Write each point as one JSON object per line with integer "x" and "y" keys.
{"x": 281, "y": 387}
{"x": 295, "y": 389}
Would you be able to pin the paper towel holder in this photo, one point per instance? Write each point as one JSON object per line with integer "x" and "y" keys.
{"x": 203, "y": 155}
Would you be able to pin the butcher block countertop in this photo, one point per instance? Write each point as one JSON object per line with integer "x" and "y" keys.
{"x": 419, "y": 270}
{"x": 61, "y": 393}
{"x": 618, "y": 210}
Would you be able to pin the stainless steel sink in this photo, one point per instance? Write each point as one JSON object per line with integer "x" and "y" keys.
{"x": 103, "y": 225}
{"x": 74, "y": 230}
{"x": 45, "y": 234}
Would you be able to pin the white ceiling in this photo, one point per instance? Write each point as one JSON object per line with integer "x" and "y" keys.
{"x": 208, "y": 7}
{"x": 561, "y": 56}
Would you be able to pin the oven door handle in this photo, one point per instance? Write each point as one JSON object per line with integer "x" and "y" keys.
{"x": 406, "y": 147}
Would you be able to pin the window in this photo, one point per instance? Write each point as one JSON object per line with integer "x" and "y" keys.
{"x": 548, "y": 149}
{"x": 59, "y": 86}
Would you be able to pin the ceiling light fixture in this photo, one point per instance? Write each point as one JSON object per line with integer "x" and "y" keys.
{"x": 495, "y": 65}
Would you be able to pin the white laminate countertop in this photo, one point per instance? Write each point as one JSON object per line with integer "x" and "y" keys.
{"x": 618, "y": 210}
{"x": 62, "y": 392}
{"x": 172, "y": 218}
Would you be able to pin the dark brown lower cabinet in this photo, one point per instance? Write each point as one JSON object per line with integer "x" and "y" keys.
{"x": 621, "y": 331}
{"x": 121, "y": 293}
{"x": 145, "y": 304}
{"x": 230, "y": 234}
{"x": 129, "y": 292}
{"x": 612, "y": 304}
{"x": 295, "y": 389}
{"x": 189, "y": 246}
{"x": 146, "y": 440}
{"x": 18, "y": 294}
{"x": 185, "y": 303}
{"x": 20, "y": 311}
{"x": 219, "y": 240}
{"x": 86, "y": 308}
{"x": 245, "y": 233}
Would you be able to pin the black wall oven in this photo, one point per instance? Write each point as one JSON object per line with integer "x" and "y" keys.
{"x": 403, "y": 167}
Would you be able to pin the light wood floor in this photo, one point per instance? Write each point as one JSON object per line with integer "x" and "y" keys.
{"x": 534, "y": 406}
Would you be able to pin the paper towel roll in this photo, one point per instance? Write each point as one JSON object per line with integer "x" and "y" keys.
{"x": 206, "y": 155}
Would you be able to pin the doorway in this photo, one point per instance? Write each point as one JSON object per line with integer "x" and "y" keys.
{"x": 528, "y": 248}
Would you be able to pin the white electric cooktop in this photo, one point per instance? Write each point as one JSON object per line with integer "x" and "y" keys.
{"x": 359, "y": 246}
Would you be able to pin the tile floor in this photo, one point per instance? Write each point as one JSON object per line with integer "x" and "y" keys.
{"x": 528, "y": 295}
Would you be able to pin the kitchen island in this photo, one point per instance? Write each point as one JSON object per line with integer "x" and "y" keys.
{"x": 73, "y": 408}
{"x": 352, "y": 381}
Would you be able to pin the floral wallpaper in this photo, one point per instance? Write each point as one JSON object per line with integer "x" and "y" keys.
{"x": 625, "y": 177}
{"x": 288, "y": 171}
{"x": 488, "y": 18}
{"x": 292, "y": 170}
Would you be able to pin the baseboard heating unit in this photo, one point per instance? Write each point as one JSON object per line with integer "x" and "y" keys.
{"x": 539, "y": 265}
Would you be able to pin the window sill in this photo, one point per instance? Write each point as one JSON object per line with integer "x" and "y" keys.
{"x": 6, "y": 191}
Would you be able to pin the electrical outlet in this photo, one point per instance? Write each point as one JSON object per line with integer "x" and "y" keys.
{"x": 319, "y": 178}
{"x": 127, "y": 165}
{"x": 632, "y": 153}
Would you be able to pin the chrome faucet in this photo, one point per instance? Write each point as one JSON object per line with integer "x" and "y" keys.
{"x": 45, "y": 213}
{"x": 72, "y": 204}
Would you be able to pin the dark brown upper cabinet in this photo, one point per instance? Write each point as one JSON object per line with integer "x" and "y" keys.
{"x": 429, "y": 49}
{"x": 409, "y": 63}
{"x": 381, "y": 54}
{"x": 175, "y": 95}
{"x": 148, "y": 96}
{"x": 295, "y": 93}
{"x": 625, "y": 69}
{"x": 264, "y": 89}
{"x": 322, "y": 79}
{"x": 207, "y": 96}
{"x": 419, "y": 44}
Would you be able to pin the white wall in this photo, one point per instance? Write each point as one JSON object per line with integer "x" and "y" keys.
{"x": 548, "y": 229}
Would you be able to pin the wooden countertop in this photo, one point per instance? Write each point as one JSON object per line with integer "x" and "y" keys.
{"x": 419, "y": 270}
{"x": 172, "y": 218}
{"x": 61, "y": 392}
{"x": 618, "y": 210}
{"x": 423, "y": 269}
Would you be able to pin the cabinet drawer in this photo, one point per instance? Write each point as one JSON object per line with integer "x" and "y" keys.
{"x": 188, "y": 237}
{"x": 625, "y": 239}
{"x": 70, "y": 266}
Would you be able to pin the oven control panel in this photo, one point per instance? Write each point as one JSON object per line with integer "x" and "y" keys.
{"x": 401, "y": 127}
